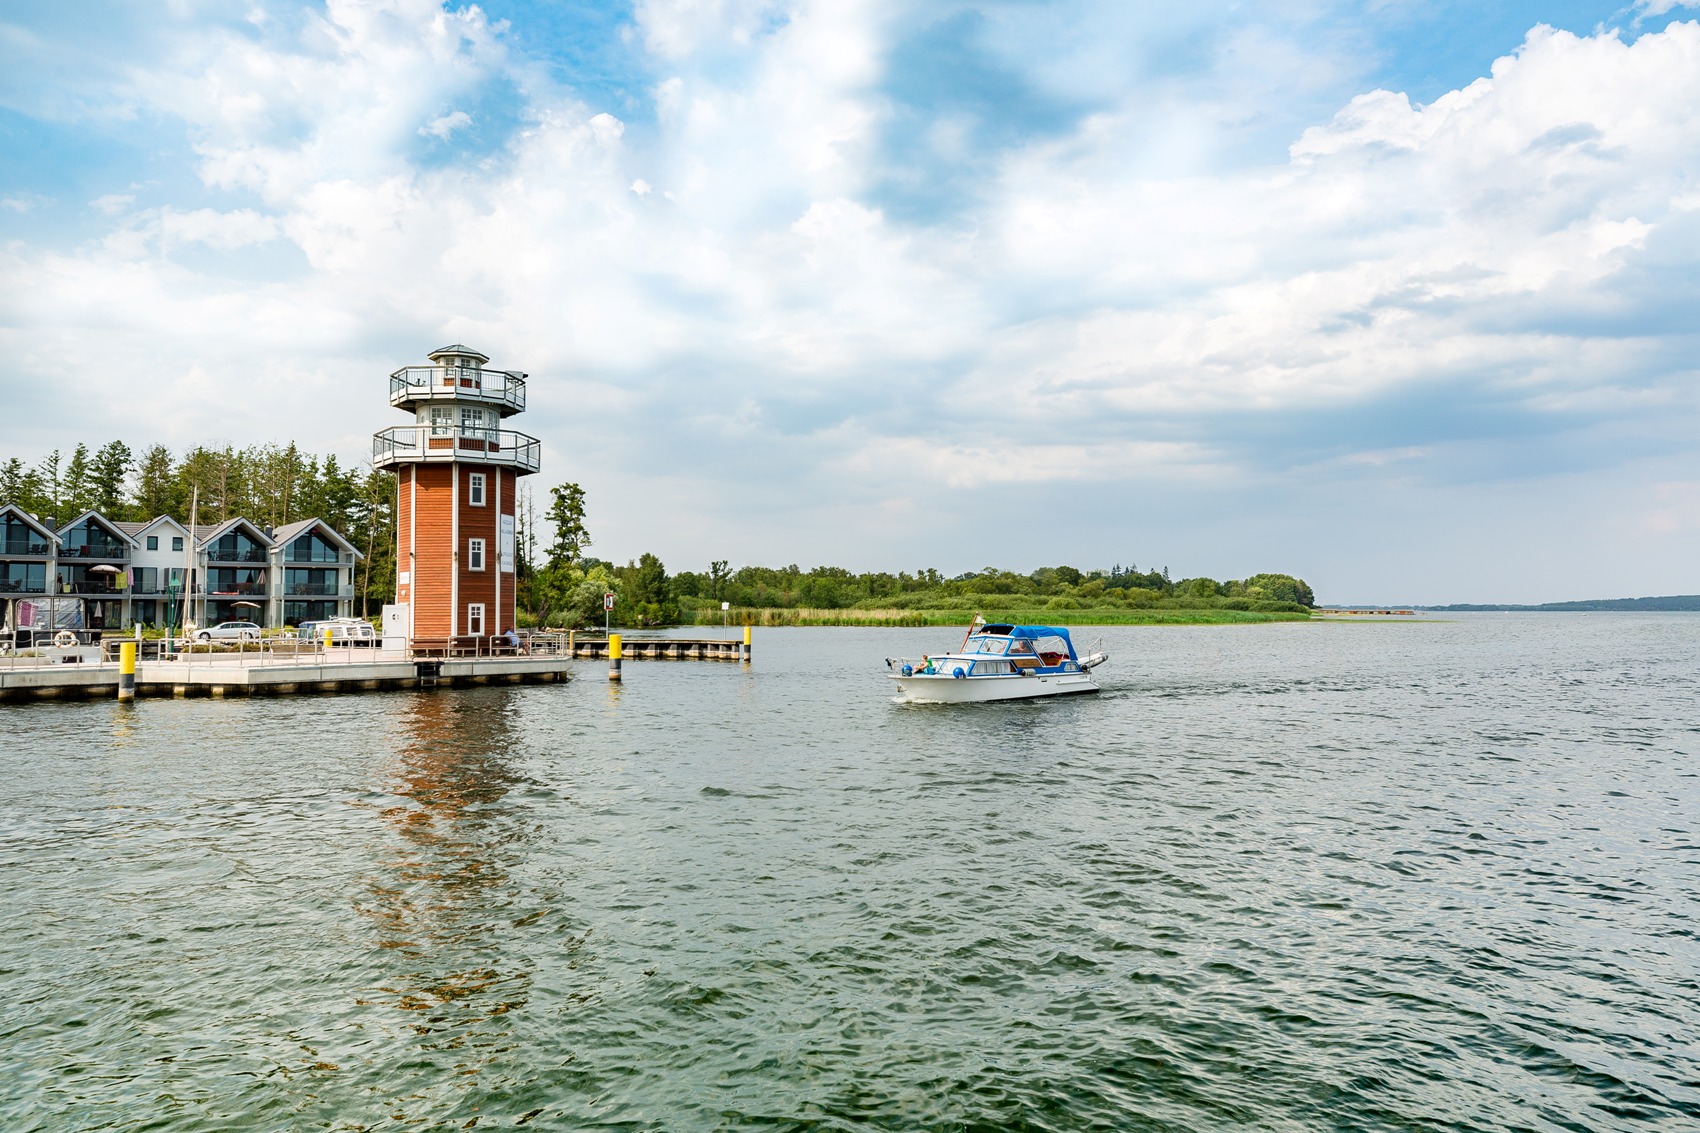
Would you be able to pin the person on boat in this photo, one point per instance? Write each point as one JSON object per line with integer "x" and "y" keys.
{"x": 1021, "y": 647}
{"x": 926, "y": 665}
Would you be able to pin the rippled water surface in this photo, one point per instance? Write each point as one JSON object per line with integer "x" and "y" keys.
{"x": 1356, "y": 877}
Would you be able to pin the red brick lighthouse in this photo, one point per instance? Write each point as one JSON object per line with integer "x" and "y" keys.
{"x": 458, "y": 474}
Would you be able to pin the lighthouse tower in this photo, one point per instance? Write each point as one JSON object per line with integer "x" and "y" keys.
{"x": 458, "y": 472}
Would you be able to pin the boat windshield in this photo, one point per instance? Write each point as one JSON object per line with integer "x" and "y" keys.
{"x": 983, "y": 644}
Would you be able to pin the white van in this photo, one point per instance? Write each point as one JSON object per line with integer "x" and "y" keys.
{"x": 343, "y": 631}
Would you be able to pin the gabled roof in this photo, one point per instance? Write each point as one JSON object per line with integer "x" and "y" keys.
{"x": 205, "y": 534}
{"x": 137, "y": 530}
{"x": 45, "y": 531}
{"x": 111, "y": 525}
{"x": 292, "y": 531}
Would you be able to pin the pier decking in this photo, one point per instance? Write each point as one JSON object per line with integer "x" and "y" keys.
{"x": 233, "y": 676}
{"x": 648, "y": 648}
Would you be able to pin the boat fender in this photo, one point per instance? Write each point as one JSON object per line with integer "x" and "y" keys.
{"x": 958, "y": 673}
{"x": 908, "y": 670}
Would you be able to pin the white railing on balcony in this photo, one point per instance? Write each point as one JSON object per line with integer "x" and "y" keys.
{"x": 407, "y": 443}
{"x": 426, "y": 383}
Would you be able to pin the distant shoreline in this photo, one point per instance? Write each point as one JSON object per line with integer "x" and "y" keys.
{"x": 1672, "y": 603}
{"x": 778, "y": 616}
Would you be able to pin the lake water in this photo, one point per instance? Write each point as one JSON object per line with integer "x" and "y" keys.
{"x": 1433, "y": 876}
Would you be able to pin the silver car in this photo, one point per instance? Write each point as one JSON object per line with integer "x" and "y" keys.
{"x": 229, "y": 631}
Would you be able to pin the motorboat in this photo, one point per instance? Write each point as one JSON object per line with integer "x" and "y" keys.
{"x": 998, "y": 662}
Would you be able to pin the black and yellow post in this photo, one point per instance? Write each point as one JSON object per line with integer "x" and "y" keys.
{"x": 127, "y": 670}
{"x": 613, "y": 656}
{"x": 746, "y": 645}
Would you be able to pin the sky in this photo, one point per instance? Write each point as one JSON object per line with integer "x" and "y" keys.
{"x": 1401, "y": 297}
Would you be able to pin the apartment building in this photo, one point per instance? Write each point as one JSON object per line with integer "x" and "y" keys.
{"x": 102, "y": 574}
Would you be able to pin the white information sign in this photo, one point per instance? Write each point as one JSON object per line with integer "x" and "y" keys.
{"x": 505, "y": 543}
{"x": 608, "y": 601}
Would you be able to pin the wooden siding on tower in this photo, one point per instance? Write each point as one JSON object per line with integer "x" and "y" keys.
{"x": 436, "y": 559}
{"x": 433, "y": 564}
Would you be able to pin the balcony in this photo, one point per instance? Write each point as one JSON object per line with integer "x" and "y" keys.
{"x": 91, "y": 587}
{"x": 24, "y": 547}
{"x": 237, "y": 589}
{"x": 322, "y": 589}
{"x": 23, "y": 586}
{"x": 95, "y": 551}
{"x": 411, "y": 444}
{"x": 415, "y": 385}
{"x": 217, "y": 554}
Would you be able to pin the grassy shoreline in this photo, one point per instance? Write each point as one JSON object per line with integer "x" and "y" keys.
{"x": 1115, "y": 616}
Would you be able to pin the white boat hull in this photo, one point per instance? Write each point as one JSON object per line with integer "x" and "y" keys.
{"x": 943, "y": 689}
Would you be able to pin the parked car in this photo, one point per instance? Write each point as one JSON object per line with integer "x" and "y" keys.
{"x": 344, "y": 631}
{"x": 229, "y": 631}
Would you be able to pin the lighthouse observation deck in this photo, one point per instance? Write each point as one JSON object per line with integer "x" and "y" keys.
{"x": 430, "y": 444}
{"x": 502, "y": 390}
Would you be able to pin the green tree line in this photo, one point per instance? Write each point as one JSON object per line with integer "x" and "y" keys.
{"x": 270, "y": 485}
{"x": 567, "y": 586}
{"x": 273, "y": 485}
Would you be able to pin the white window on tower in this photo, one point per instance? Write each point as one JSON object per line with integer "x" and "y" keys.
{"x": 442, "y": 420}
{"x": 471, "y": 422}
{"x": 475, "y": 489}
{"x": 475, "y": 554}
{"x": 475, "y": 618}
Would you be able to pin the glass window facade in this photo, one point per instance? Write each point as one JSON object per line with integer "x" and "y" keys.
{"x": 296, "y": 612}
{"x": 312, "y": 548}
{"x": 90, "y": 540}
{"x": 23, "y": 578}
{"x": 306, "y": 581}
{"x": 20, "y": 538}
{"x": 236, "y": 580}
{"x": 236, "y": 547}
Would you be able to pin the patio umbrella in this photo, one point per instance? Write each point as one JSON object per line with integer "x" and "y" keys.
{"x": 250, "y": 605}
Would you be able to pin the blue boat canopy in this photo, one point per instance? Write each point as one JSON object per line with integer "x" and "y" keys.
{"x": 1028, "y": 633}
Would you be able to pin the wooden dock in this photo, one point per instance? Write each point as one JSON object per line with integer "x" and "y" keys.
{"x": 643, "y": 648}
{"x": 225, "y": 677}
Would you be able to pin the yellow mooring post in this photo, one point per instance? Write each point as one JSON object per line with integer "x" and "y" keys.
{"x": 327, "y": 637}
{"x": 126, "y": 670}
{"x": 746, "y": 645}
{"x": 613, "y": 656}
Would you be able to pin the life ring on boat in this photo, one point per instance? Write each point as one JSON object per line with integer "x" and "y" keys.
{"x": 65, "y": 639}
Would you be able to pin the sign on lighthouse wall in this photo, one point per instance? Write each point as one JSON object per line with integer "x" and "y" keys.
{"x": 505, "y": 543}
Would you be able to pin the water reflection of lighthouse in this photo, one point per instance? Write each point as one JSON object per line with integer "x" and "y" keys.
{"x": 453, "y": 925}
{"x": 457, "y": 476}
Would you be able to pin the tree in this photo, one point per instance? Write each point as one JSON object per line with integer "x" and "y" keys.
{"x": 718, "y": 577}
{"x": 1280, "y": 588}
{"x": 108, "y": 471}
{"x": 48, "y": 486}
{"x": 645, "y": 596}
{"x": 373, "y": 526}
{"x": 156, "y": 485}
{"x": 15, "y": 483}
{"x": 566, "y": 514}
{"x": 77, "y": 490}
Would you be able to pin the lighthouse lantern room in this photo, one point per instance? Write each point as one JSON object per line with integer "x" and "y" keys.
{"x": 457, "y": 473}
